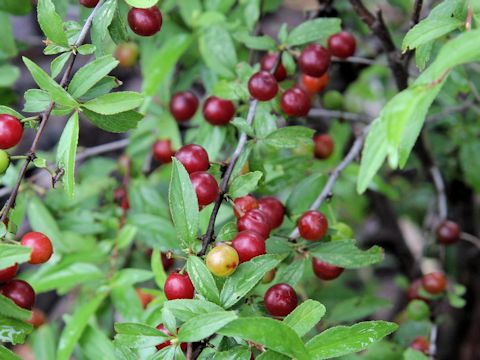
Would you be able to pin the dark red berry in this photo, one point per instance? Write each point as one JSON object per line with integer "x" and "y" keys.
{"x": 273, "y": 209}
{"x": 248, "y": 245}
{"x": 421, "y": 344}
{"x": 38, "y": 318}
{"x": 448, "y": 232}
{"x": 413, "y": 290}
{"x": 20, "y": 292}
{"x": 256, "y": 221}
{"x": 11, "y": 131}
{"x": 193, "y": 157}
{"x": 312, "y": 225}
{"x": 295, "y": 102}
{"x": 162, "y": 328}
{"x": 183, "y": 105}
{"x": 263, "y": 86}
{"x": 218, "y": 111}
{"x": 145, "y": 22}
{"x": 324, "y": 270}
{"x": 41, "y": 246}
{"x": 8, "y": 273}
{"x": 342, "y": 44}
{"x": 162, "y": 151}
{"x": 314, "y": 60}
{"x": 167, "y": 262}
{"x": 89, "y": 3}
{"x": 323, "y": 146}
{"x": 206, "y": 187}
{"x": 434, "y": 283}
{"x": 269, "y": 61}
{"x": 120, "y": 195}
{"x": 179, "y": 286}
{"x": 244, "y": 204}
{"x": 280, "y": 300}
{"x": 144, "y": 297}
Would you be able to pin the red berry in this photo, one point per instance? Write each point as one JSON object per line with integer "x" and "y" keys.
{"x": 342, "y": 44}
{"x": 8, "y": 273}
{"x": 312, "y": 225}
{"x": 120, "y": 195}
{"x": 263, "y": 86}
{"x": 314, "y": 60}
{"x": 413, "y": 291}
{"x": 145, "y": 22}
{"x": 162, "y": 151}
{"x": 280, "y": 300}
{"x": 11, "y": 131}
{"x": 183, "y": 105}
{"x": 127, "y": 54}
{"x": 89, "y": 3}
{"x": 41, "y": 246}
{"x": 179, "y": 286}
{"x": 255, "y": 220}
{"x": 38, "y": 318}
{"x": 248, "y": 245}
{"x": 144, "y": 298}
{"x": 166, "y": 261}
{"x": 218, "y": 111}
{"x": 244, "y": 204}
{"x": 313, "y": 85}
{"x": 421, "y": 344}
{"x": 323, "y": 146}
{"x": 434, "y": 283}
{"x": 295, "y": 102}
{"x": 448, "y": 232}
{"x": 269, "y": 61}
{"x": 162, "y": 328}
{"x": 324, "y": 270}
{"x": 205, "y": 186}
{"x": 273, "y": 209}
{"x": 20, "y": 292}
{"x": 193, "y": 157}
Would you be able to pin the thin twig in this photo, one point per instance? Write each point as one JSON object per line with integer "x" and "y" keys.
{"x": 323, "y": 113}
{"x": 100, "y": 149}
{"x": 357, "y": 60}
{"x": 470, "y": 238}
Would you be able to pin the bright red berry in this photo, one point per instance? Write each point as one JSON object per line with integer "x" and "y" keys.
{"x": 145, "y": 22}
{"x": 269, "y": 61}
{"x": 193, "y": 157}
{"x": 421, "y": 344}
{"x": 413, "y": 291}
{"x": 314, "y": 60}
{"x": 222, "y": 260}
{"x": 89, "y": 3}
{"x": 11, "y": 131}
{"x": 38, "y": 318}
{"x": 263, "y": 86}
{"x": 162, "y": 328}
{"x": 8, "y": 273}
{"x": 179, "y": 286}
{"x": 324, "y": 270}
{"x": 295, "y": 102}
{"x": 323, "y": 146}
{"x": 248, "y": 245}
{"x": 448, "y": 232}
{"x": 206, "y": 187}
{"x": 313, "y": 85}
{"x": 280, "y": 300}
{"x": 273, "y": 209}
{"x": 183, "y": 105}
{"x": 218, "y": 111}
{"x": 255, "y": 220}
{"x": 244, "y": 204}
{"x": 342, "y": 44}
{"x": 434, "y": 283}
{"x": 127, "y": 54}
{"x": 312, "y": 225}
{"x": 20, "y": 292}
{"x": 162, "y": 151}
{"x": 41, "y": 246}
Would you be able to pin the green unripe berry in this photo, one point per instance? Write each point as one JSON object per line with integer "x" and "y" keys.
{"x": 332, "y": 100}
{"x": 418, "y": 310}
{"x": 4, "y": 161}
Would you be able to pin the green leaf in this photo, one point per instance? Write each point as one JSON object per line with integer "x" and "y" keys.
{"x": 189, "y": 10}
{"x": 8, "y": 46}
{"x": 66, "y": 153}
{"x": 142, "y": 4}
{"x": 305, "y": 316}
{"x": 11, "y": 254}
{"x": 116, "y": 123}
{"x": 186, "y": 309}
{"x": 99, "y": 32}
{"x": 87, "y": 76}
{"x": 218, "y": 51}
{"x": 301, "y": 197}
{"x": 13, "y": 331}
{"x": 51, "y": 23}
{"x": 470, "y": 162}
{"x": 9, "y": 111}
{"x": 44, "y": 342}
{"x": 202, "y": 279}
{"x": 342, "y": 340}
{"x": 41, "y": 220}
{"x": 183, "y": 205}
{"x": 8, "y": 75}
{"x": 227, "y": 232}
{"x": 16, "y": 7}
{"x": 126, "y": 235}
{"x": 240, "y": 123}
{"x": 428, "y": 30}
{"x": 292, "y": 273}
{"x": 6, "y": 354}
{"x": 356, "y": 308}
{"x": 94, "y": 341}
{"x": 202, "y": 326}
{"x": 158, "y": 269}
{"x": 290, "y": 137}
{"x": 138, "y": 335}
{"x": 86, "y": 49}
{"x": 344, "y": 253}
{"x": 126, "y": 301}
{"x": 255, "y": 42}
{"x": 245, "y": 184}
{"x": 115, "y": 103}
{"x": 126, "y": 277}
{"x": 317, "y": 30}
{"x": 10, "y": 309}
{"x": 76, "y": 324}
{"x": 36, "y": 100}
{"x": 270, "y": 333}
{"x": 45, "y": 82}
{"x": 237, "y": 353}
{"x": 246, "y": 277}
{"x": 58, "y": 64}
{"x": 412, "y": 354}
